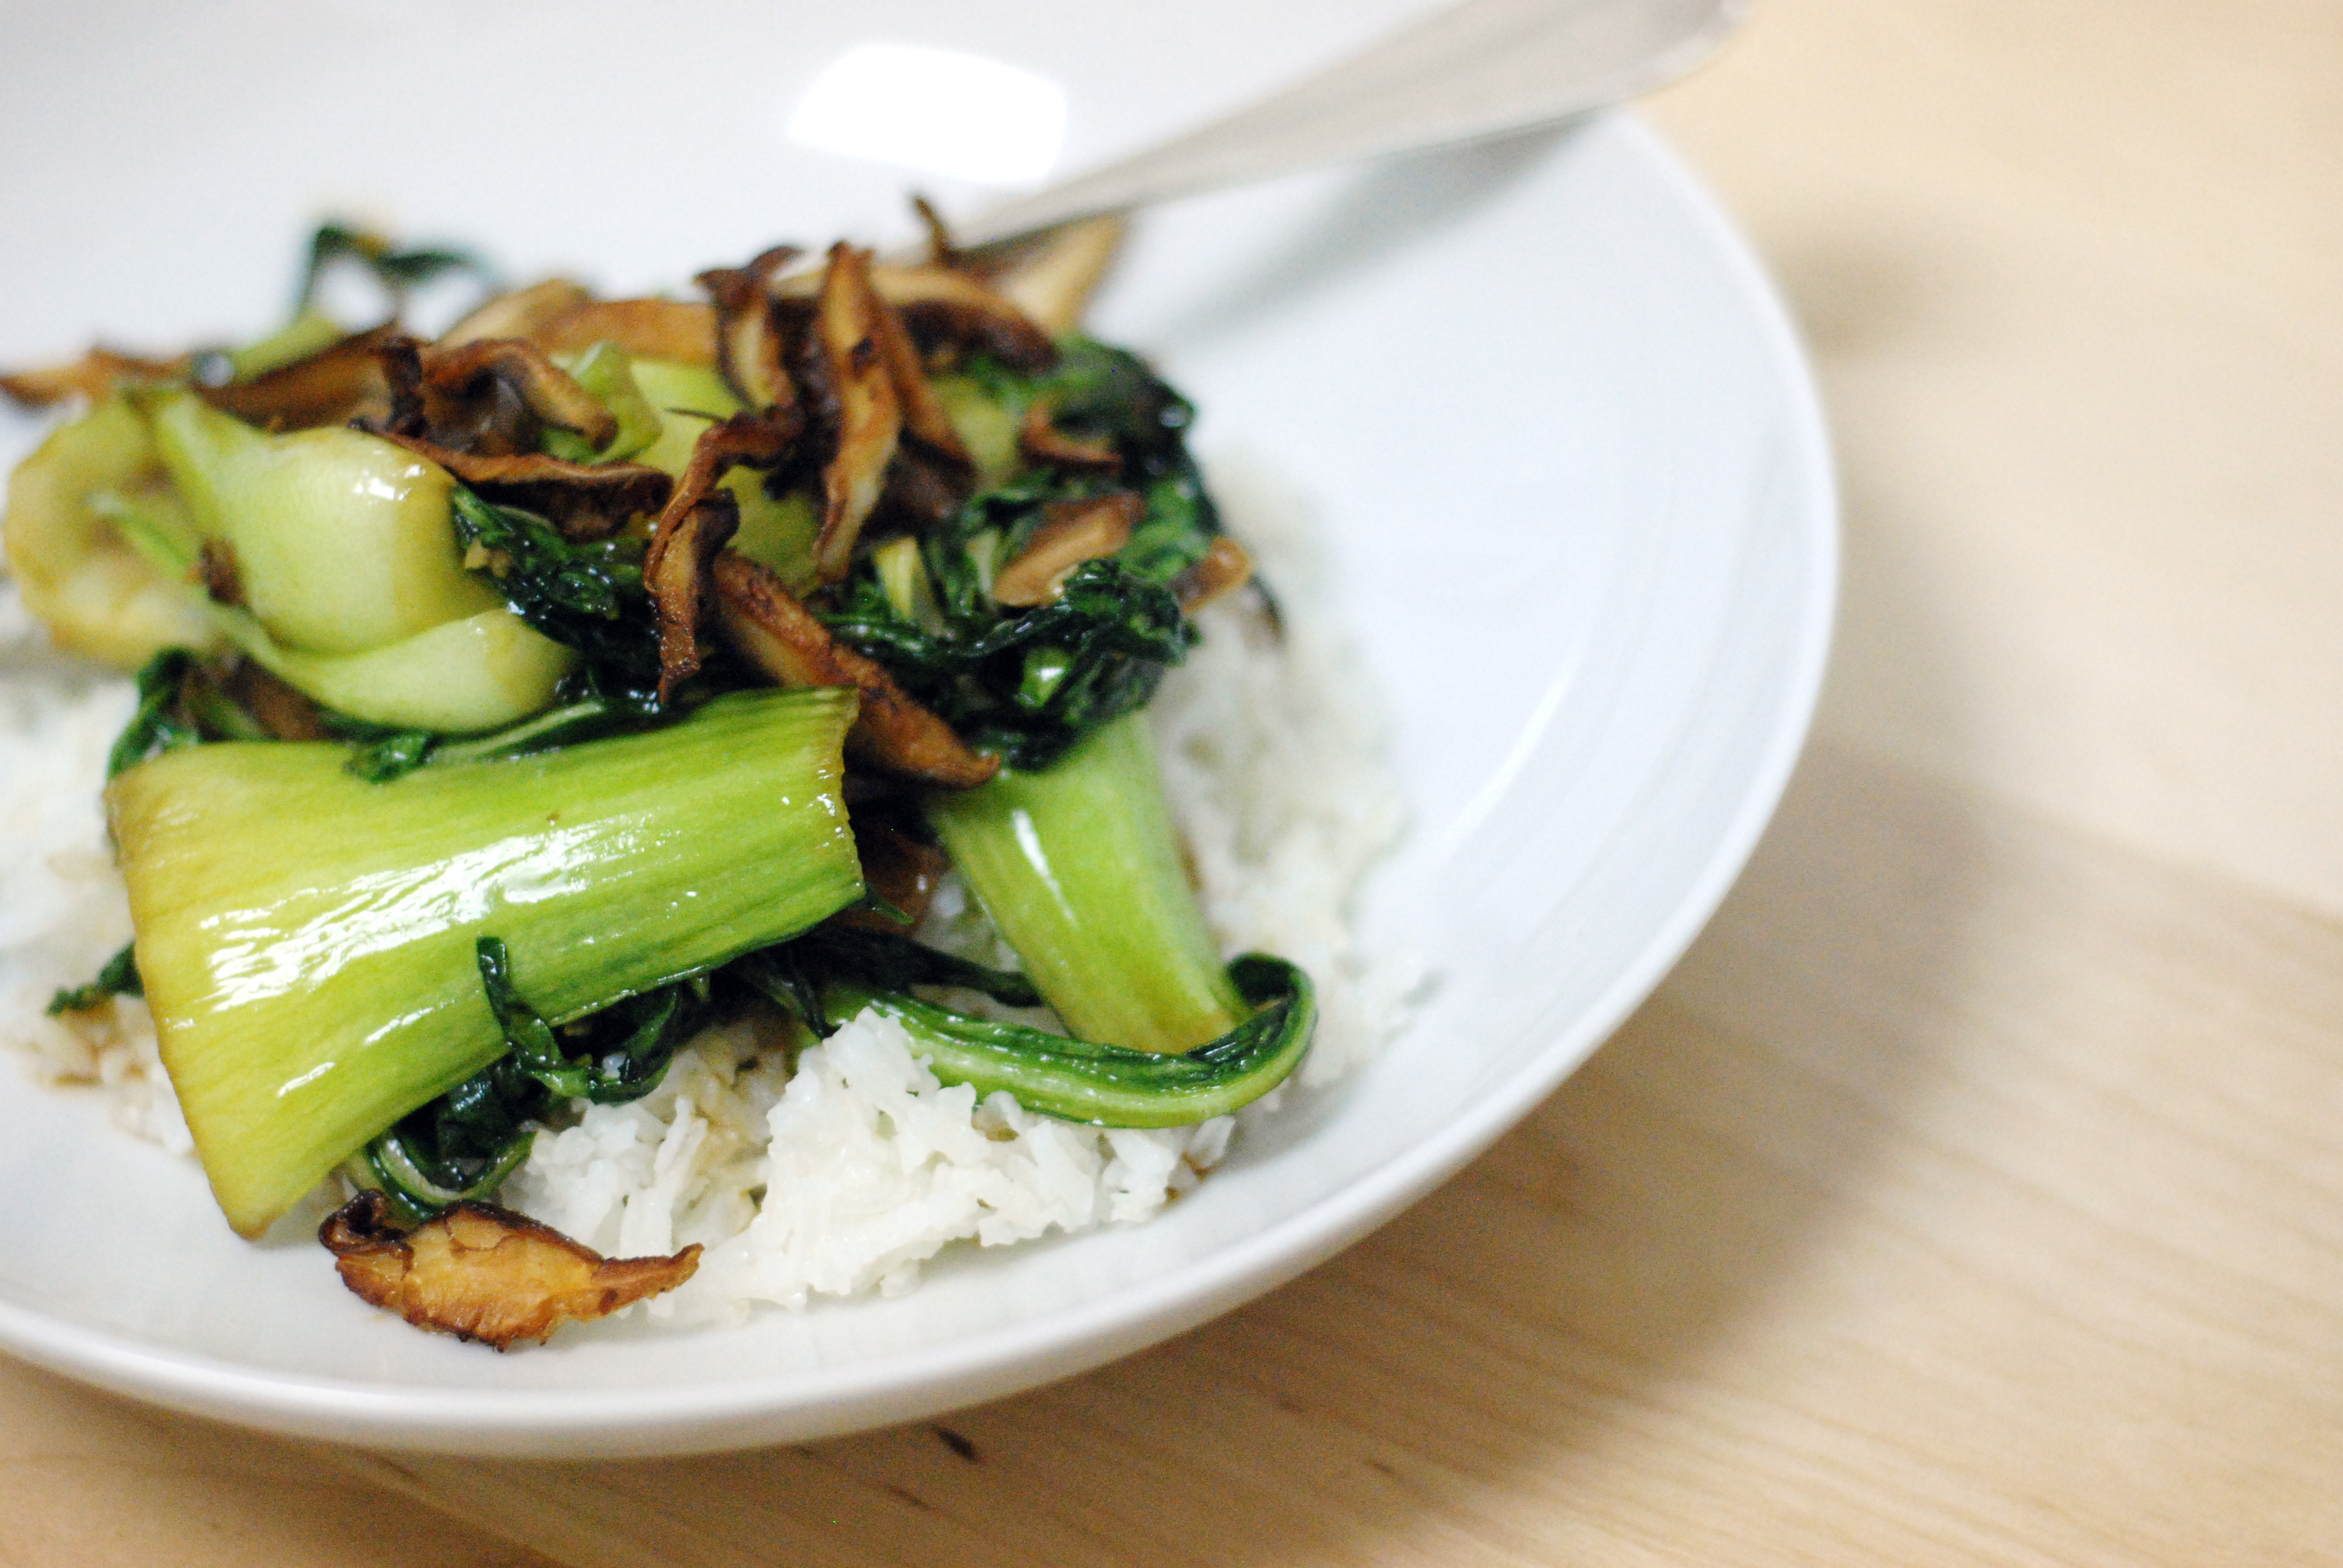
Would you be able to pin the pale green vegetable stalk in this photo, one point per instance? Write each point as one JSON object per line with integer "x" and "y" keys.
{"x": 1079, "y": 867}
{"x": 346, "y": 562}
{"x": 307, "y": 938}
{"x": 98, "y": 596}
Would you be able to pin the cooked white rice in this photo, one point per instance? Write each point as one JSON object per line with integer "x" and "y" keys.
{"x": 847, "y": 1174}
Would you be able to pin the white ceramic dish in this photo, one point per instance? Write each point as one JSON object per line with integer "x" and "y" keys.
{"x": 1579, "y": 514}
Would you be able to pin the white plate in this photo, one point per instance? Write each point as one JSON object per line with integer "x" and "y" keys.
{"x": 1547, "y": 410}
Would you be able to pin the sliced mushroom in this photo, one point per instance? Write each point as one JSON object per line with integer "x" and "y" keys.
{"x": 216, "y": 574}
{"x": 900, "y": 869}
{"x": 1051, "y": 281}
{"x": 1041, "y": 441}
{"x": 1225, "y": 567}
{"x": 869, "y": 414}
{"x": 482, "y": 1272}
{"x": 676, "y": 573}
{"x": 283, "y": 712}
{"x": 924, "y": 419}
{"x": 584, "y": 500}
{"x": 647, "y": 328}
{"x": 944, "y": 307}
{"x": 942, "y": 250}
{"x": 522, "y": 313}
{"x": 922, "y": 490}
{"x": 692, "y": 525}
{"x": 751, "y": 348}
{"x": 91, "y": 376}
{"x": 358, "y": 378}
{"x": 1071, "y": 532}
{"x": 543, "y": 388}
{"x": 764, "y": 623}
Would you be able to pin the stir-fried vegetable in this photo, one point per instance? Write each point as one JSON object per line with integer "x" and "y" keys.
{"x": 328, "y": 557}
{"x": 96, "y": 594}
{"x": 586, "y": 596}
{"x": 465, "y": 1143}
{"x": 117, "y": 977}
{"x": 336, "y": 541}
{"x": 1079, "y": 1080}
{"x": 453, "y": 798}
{"x": 313, "y": 986}
{"x": 1079, "y": 867}
{"x": 1029, "y": 679}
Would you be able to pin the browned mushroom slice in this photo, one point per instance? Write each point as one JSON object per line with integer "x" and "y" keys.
{"x": 944, "y": 307}
{"x": 676, "y": 574}
{"x": 942, "y": 250}
{"x": 1071, "y": 532}
{"x": 647, "y": 328}
{"x": 216, "y": 574}
{"x": 750, "y": 347}
{"x": 924, "y": 419}
{"x": 481, "y": 1273}
{"x": 1225, "y": 567}
{"x": 584, "y": 500}
{"x": 1052, "y": 280}
{"x": 765, "y": 624}
{"x": 922, "y": 490}
{"x": 283, "y": 712}
{"x": 543, "y": 388}
{"x": 91, "y": 376}
{"x": 900, "y": 869}
{"x": 1041, "y": 441}
{"x": 522, "y": 313}
{"x": 869, "y": 415}
{"x": 759, "y": 440}
{"x": 689, "y": 529}
{"x": 356, "y": 378}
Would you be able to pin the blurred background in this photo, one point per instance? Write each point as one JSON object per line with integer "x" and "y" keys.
{"x": 185, "y": 107}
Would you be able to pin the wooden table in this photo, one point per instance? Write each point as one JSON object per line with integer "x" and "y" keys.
{"x": 1974, "y": 1192}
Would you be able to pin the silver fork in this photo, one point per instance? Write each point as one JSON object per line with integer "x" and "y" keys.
{"x": 1478, "y": 69}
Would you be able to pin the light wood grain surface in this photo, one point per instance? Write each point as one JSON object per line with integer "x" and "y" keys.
{"x": 1974, "y": 1192}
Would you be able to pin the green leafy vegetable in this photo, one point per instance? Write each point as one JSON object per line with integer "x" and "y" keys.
{"x": 118, "y": 978}
{"x": 317, "y": 523}
{"x": 383, "y": 755}
{"x": 392, "y": 756}
{"x": 399, "y": 272}
{"x": 586, "y": 596}
{"x": 794, "y": 973}
{"x": 630, "y": 1044}
{"x": 1104, "y": 1085}
{"x": 180, "y": 703}
{"x": 158, "y": 725}
{"x": 464, "y": 1144}
{"x": 1029, "y": 685}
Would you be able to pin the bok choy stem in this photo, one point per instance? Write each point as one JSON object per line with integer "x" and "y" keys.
{"x": 1078, "y": 868}
{"x": 308, "y": 939}
{"x": 1105, "y": 1085}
